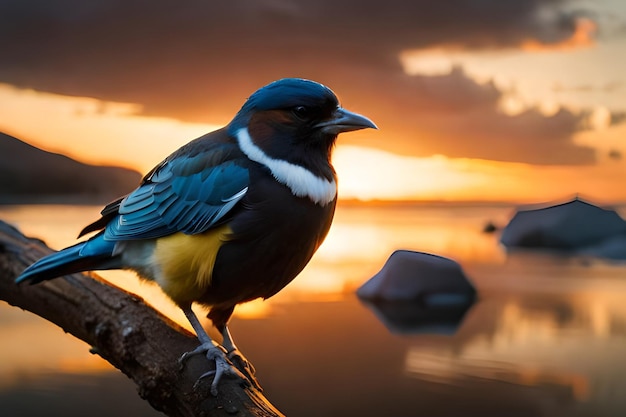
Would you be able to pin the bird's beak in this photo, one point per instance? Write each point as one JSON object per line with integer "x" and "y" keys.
{"x": 345, "y": 121}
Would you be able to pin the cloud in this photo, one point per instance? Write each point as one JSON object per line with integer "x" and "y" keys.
{"x": 615, "y": 154}
{"x": 452, "y": 114}
{"x": 608, "y": 87}
{"x": 583, "y": 35}
{"x": 198, "y": 60}
{"x": 174, "y": 58}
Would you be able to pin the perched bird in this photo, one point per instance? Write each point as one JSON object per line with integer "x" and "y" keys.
{"x": 231, "y": 216}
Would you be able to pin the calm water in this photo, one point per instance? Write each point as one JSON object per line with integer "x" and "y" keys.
{"x": 547, "y": 337}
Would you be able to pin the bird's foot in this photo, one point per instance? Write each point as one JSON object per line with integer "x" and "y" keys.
{"x": 245, "y": 366}
{"x": 223, "y": 367}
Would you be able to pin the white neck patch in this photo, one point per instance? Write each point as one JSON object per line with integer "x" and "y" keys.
{"x": 301, "y": 181}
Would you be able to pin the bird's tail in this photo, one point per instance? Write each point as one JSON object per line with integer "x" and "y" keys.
{"x": 94, "y": 254}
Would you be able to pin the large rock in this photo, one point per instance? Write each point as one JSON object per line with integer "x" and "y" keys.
{"x": 416, "y": 276}
{"x": 613, "y": 249}
{"x": 572, "y": 225}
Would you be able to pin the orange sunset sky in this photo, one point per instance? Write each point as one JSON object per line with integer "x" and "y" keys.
{"x": 475, "y": 100}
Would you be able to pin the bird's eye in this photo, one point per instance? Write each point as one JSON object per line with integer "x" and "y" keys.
{"x": 302, "y": 112}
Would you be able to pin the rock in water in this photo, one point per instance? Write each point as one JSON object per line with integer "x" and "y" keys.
{"x": 572, "y": 225}
{"x": 417, "y": 276}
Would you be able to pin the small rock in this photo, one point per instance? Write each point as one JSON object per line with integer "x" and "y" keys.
{"x": 490, "y": 227}
{"x": 430, "y": 279}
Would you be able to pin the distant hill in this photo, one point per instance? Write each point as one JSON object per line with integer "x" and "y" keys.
{"x": 31, "y": 175}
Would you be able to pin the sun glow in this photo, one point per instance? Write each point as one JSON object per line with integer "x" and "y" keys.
{"x": 102, "y": 133}
{"x": 369, "y": 174}
{"x": 373, "y": 174}
{"x": 93, "y": 131}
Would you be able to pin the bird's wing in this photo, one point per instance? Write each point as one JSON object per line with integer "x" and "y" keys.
{"x": 187, "y": 193}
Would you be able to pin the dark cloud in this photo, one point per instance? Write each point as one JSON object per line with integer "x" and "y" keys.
{"x": 197, "y": 60}
{"x": 453, "y": 115}
{"x": 615, "y": 154}
{"x": 617, "y": 118}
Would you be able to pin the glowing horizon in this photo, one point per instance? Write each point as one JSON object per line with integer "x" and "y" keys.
{"x": 117, "y": 135}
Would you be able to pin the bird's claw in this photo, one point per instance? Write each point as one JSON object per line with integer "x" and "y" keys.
{"x": 200, "y": 350}
{"x": 223, "y": 366}
{"x": 245, "y": 366}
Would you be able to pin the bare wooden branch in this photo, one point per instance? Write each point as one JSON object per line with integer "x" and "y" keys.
{"x": 128, "y": 333}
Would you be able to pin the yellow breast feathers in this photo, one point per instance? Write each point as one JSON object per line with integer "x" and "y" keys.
{"x": 186, "y": 262}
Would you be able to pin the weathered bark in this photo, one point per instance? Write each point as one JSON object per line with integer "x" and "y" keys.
{"x": 132, "y": 336}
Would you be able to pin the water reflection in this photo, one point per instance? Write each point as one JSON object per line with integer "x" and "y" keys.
{"x": 358, "y": 244}
{"x": 540, "y": 355}
{"x": 31, "y": 347}
{"x": 410, "y": 317}
{"x": 573, "y": 341}
{"x": 546, "y": 337}
{"x": 573, "y": 344}
{"x": 365, "y": 232}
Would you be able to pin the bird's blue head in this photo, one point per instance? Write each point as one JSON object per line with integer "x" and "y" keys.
{"x": 296, "y": 120}
{"x": 289, "y": 93}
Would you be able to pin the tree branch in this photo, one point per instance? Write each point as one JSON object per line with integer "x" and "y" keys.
{"x": 125, "y": 331}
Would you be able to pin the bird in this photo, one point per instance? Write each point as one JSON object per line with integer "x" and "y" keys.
{"x": 232, "y": 216}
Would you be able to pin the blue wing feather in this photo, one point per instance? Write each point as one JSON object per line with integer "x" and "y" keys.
{"x": 183, "y": 195}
